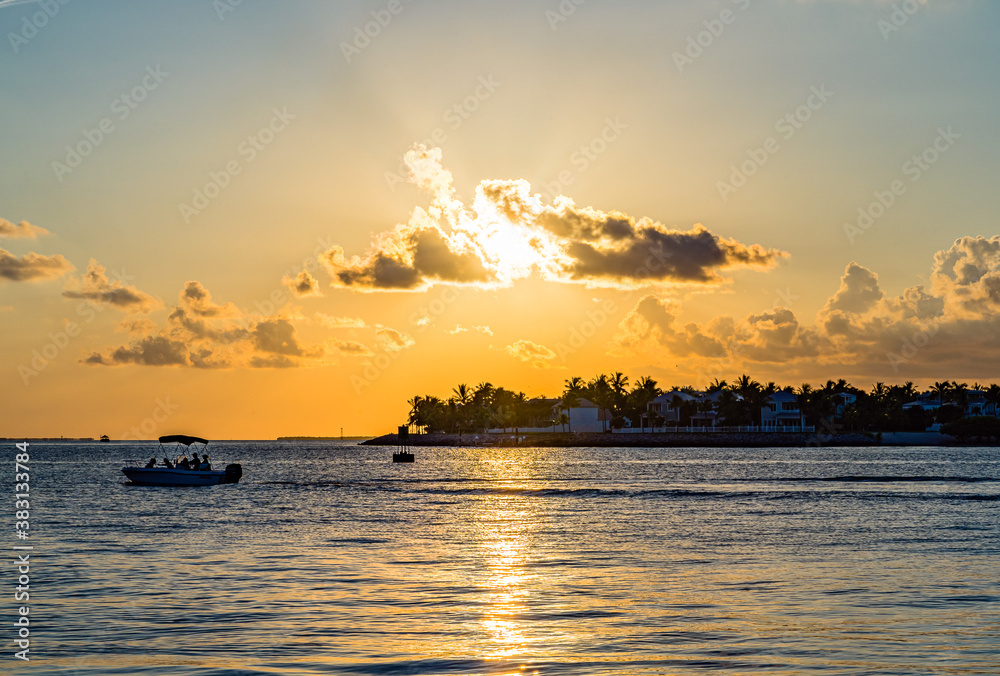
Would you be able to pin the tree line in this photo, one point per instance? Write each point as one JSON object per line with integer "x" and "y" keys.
{"x": 739, "y": 403}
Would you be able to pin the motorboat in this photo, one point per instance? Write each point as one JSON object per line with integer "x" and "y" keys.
{"x": 164, "y": 475}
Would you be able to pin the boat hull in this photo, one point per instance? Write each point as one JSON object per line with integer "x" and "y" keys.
{"x": 162, "y": 476}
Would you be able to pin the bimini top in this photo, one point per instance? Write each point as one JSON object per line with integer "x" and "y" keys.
{"x": 182, "y": 439}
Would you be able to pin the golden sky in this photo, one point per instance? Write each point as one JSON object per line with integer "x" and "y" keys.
{"x": 250, "y": 220}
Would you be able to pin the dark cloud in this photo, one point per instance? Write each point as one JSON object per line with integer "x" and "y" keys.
{"x": 416, "y": 257}
{"x": 200, "y": 333}
{"x": 353, "y": 348}
{"x": 276, "y": 336}
{"x": 652, "y": 252}
{"x": 272, "y": 362}
{"x": 198, "y": 300}
{"x": 95, "y": 287}
{"x": 508, "y": 234}
{"x": 955, "y": 323}
{"x": 32, "y": 267}
{"x": 151, "y": 351}
{"x": 303, "y": 284}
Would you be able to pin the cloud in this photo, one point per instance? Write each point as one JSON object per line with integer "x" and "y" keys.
{"x": 339, "y": 322}
{"x": 955, "y": 323}
{"x": 200, "y": 333}
{"x": 353, "y": 348}
{"x": 409, "y": 259}
{"x": 653, "y": 322}
{"x": 508, "y": 233}
{"x": 21, "y": 230}
{"x": 482, "y": 328}
{"x": 198, "y": 300}
{"x": 95, "y": 287}
{"x": 32, "y": 267}
{"x": 858, "y": 292}
{"x": 969, "y": 274}
{"x": 276, "y": 336}
{"x": 532, "y": 353}
{"x": 302, "y": 285}
{"x": 393, "y": 340}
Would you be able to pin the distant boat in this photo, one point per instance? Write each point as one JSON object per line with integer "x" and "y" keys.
{"x": 105, "y": 438}
{"x": 178, "y": 476}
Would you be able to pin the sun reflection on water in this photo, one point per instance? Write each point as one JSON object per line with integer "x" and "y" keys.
{"x": 504, "y": 526}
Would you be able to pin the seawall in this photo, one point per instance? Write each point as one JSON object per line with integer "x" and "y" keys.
{"x": 648, "y": 440}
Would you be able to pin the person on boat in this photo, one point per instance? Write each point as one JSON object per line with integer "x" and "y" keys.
{"x": 184, "y": 463}
{"x": 195, "y": 462}
{"x": 205, "y": 464}
{"x": 167, "y": 463}
{"x": 151, "y": 463}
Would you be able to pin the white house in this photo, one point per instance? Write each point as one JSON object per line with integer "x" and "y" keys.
{"x": 701, "y": 409}
{"x": 781, "y": 410}
{"x": 586, "y": 416}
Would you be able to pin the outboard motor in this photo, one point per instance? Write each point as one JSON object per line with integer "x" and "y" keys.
{"x": 233, "y": 474}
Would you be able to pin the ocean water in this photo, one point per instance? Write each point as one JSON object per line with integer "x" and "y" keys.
{"x": 329, "y": 559}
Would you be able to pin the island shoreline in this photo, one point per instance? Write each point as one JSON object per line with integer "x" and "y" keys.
{"x": 670, "y": 439}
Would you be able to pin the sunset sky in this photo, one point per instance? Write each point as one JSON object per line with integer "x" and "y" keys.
{"x": 245, "y": 220}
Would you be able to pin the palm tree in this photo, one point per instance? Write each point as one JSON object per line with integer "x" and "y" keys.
{"x": 960, "y": 394}
{"x": 645, "y": 391}
{"x": 941, "y": 389}
{"x": 804, "y": 398}
{"x": 600, "y": 392}
{"x": 571, "y": 397}
{"x": 462, "y": 394}
{"x": 716, "y": 386}
{"x": 563, "y": 420}
{"x": 678, "y": 403}
{"x": 992, "y": 396}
